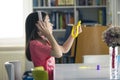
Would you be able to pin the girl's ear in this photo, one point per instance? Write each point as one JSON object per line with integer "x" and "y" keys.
{"x": 39, "y": 33}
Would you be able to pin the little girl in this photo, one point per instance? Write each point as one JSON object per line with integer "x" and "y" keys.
{"x": 41, "y": 46}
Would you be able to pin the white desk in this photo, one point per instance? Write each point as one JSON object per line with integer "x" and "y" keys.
{"x": 81, "y": 72}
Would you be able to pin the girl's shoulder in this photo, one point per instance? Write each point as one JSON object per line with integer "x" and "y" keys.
{"x": 35, "y": 42}
{"x": 38, "y": 42}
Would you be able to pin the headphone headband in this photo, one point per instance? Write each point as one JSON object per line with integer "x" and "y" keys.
{"x": 39, "y": 15}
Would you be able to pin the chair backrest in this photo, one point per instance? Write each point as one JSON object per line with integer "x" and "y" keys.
{"x": 10, "y": 70}
{"x": 14, "y": 70}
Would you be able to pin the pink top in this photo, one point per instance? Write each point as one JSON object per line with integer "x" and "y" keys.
{"x": 40, "y": 55}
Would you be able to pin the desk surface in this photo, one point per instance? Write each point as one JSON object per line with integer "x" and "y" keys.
{"x": 81, "y": 72}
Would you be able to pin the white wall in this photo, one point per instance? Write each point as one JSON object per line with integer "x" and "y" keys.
{"x": 13, "y": 49}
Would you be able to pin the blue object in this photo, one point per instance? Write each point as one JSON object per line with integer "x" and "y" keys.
{"x": 27, "y": 76}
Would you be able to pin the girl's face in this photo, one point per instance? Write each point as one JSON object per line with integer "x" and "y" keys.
{"x": 49, "y": 24}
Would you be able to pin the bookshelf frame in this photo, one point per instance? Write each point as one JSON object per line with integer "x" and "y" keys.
{"x": 75, "y": 8}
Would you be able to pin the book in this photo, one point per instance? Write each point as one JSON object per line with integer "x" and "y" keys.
{"x": 102, "y": 16}
{"x": 61, "y": 2}
{"x": 69, "y": 2}
{"x": 35, "y": 3}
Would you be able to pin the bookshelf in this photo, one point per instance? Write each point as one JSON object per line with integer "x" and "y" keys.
{"x": 64, "y": 12}
{"x": 78, "y": 9}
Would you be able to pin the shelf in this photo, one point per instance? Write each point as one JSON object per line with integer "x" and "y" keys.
{"x": 67, "y": 7}
{"x": 54, "y": 7}
{"x": 59, "y": 30}
{"x": 94, "y": 6}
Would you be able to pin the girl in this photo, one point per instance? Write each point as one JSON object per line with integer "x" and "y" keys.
{"x": 41, "y": 46}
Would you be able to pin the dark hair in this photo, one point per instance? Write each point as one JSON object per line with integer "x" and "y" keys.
{"x": 31, "y": 30}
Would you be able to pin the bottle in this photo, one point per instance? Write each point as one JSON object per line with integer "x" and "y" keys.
{"x": 114, "y": 63}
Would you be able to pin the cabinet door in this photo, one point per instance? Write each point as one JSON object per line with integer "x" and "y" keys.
{"x": 90, "y": 42}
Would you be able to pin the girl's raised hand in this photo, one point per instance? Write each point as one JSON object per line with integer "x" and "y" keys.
{"x": 42, "y": 28}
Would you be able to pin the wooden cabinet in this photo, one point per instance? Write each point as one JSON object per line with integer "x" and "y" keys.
{"x": 90, "y": 42}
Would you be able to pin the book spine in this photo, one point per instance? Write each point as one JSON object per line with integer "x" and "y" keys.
{"x": 35, "y": 3}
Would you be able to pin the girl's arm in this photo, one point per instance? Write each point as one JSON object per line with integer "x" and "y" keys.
{"x": 68, "y": 43}
{"x": 44, "y": 30}
{"x": 57, "y": 50}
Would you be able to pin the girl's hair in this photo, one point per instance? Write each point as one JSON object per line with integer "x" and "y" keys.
{"x": 31, "y": 30}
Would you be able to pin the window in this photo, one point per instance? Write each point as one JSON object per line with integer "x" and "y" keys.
{"x": 12, "y": 19}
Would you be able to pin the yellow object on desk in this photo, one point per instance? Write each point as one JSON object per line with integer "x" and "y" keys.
{"x": 84, "y": 67}
{"x": 97, "y": 67}
{"x": 39, "y": 73}
{"x": 75, "y": 29}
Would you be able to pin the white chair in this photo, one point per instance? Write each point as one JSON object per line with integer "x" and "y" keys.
{"x": 13, "y": 69}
